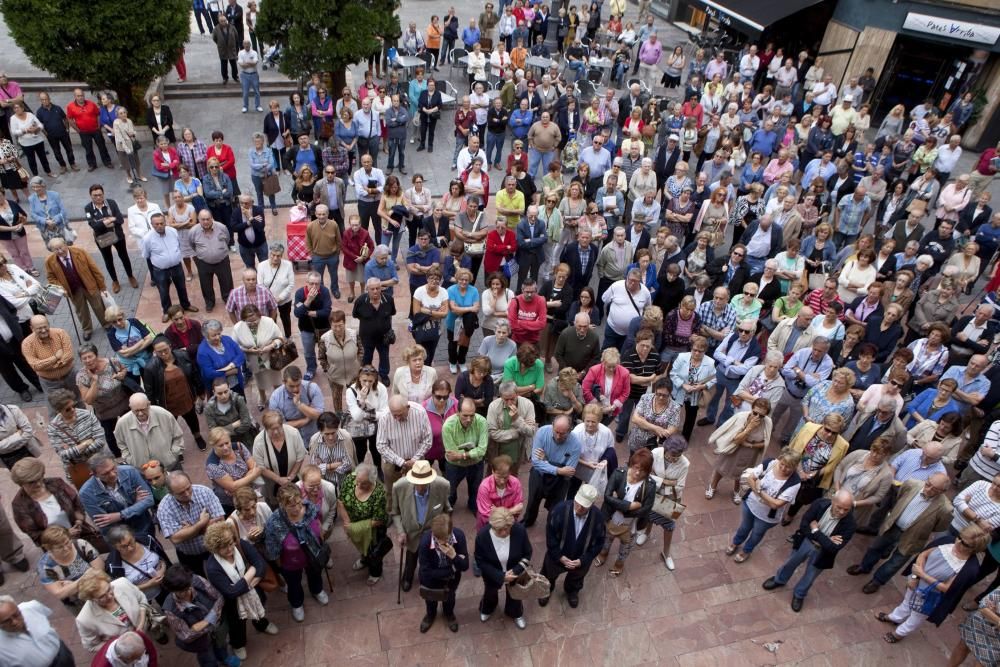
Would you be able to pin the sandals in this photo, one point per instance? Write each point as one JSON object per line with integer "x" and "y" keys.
{"x": 884, "y": 618}
{"x": 617, "y": 568}
{"x": 737, "y": 499}
{"x": 742, "y": 557}
{"x": 601, "y": 557}
{"x": 891, "y": 638}
{"x": 731, "y": 549}
{"x": 709, "y": 493}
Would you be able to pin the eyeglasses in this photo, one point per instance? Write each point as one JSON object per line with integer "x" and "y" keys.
{"x": 737, "y": 254}
{"x": 760, "y": 414}
{"x": 440, "y": 398}
{"x": 746, "y": 331}
{"x": 749, "y": 293}
{"x": 896, "y": 383}
{"x": 330, "y": 172}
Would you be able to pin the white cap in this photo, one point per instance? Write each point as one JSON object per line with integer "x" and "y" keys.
{"x": 586, "y": 496}
{"x": 673, "y": 137}
{"x": 848, "y": 98}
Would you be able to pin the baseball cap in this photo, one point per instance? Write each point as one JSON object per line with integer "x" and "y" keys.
{"x": 586, "y": 496}
{"x": 673, "y": 137}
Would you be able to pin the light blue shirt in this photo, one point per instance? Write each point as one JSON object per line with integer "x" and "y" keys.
{"x": 163, "y": 250}
{"x": 387, "y": 272}
{"x": 599, "y": 161}
{"x": 361, "y": 178}
{"x": 282, "y": 401}
{"x": 910, "y": 465}
{"x": 470, "y": 298}
{"x": 557, "y": 454}
{"x": 368, "y": 123}
{"x": 803, "y": 360}
{"x": 977, "y": 385}
{"x": 421, "y": 500}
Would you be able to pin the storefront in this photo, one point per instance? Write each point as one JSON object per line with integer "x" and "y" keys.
{"x": 918, "y": 52}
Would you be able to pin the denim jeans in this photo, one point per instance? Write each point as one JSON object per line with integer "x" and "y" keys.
{"x": 612, "y": 338}
{"x": 723, "y": 385}
{"x": 248, "y": 81}
{"x": 535, "y": 157}
{"x": 258, "y": 186}
{"x": 331, "y": 263}
{"x": 455, "y": 474}
{"x": 460, "y": 143}
{"x": 249, "y": 255}
{"x": 163, "y": 278}
{"x": 751, "y": 530}
{"x": 578, "y": 67}
{"x": 494, "y": 147}
{"x": 309, "y": 350}
{"x": 806, "y": 553}
{"x": 394, "y": 146}
{"x": 842, "y": 239}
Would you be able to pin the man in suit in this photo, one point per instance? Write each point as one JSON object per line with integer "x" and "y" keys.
{"x": 117, "y": 494}
{"x": 234, "y": 13}
{"x": 574, "y": 535}
{"x": 417, "y": 497}
{"x": 77, "y": 274}
{"x": 332, "y": 193}
{"x": 531, "y": 242}
{"x": 11, "y": 358}
{"x": 638, "y": 237}
{"x": 826, "y": 528}
{"x": 633, "y": 98}
{"x": 581, "y": 258}
{"x": 247, "y": 223}
{"x": 866, "y": 427}
{"x": 666, "y": 159}
{"x": 973, "y": 216}
{"x": 973, "y": 334}
{"x": 921, "y": 509}
{"x": 103, "y": 216}
{"x": 763, "y": 240}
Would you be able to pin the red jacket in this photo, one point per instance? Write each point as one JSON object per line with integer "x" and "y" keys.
{"x": 526, "y": 319}
{"x": 101, "y": 657}
{"x": 983, "y": 166}
{"x": 620, "y": 386}
{"x": 351, "y": 244}
{"x": 172, "y": 167}
{"x": 497, "y": 249}
{"x": 226, "y": 159}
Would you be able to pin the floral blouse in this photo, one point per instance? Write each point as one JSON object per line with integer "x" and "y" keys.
{"x": 819, "y": 406}
{"x": 357, "y": 510}
{"x": 669, "y": 417}
{"x": 216, "y": 468}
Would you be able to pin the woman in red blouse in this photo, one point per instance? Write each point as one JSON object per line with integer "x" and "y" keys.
{"x": 184, "y": 333}
{"x": 227, "y": 160}
{"x": 501, "y": 243}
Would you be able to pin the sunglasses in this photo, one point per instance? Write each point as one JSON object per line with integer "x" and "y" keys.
{"x": 896, "y": 383}
{"x": 737, "y": 254}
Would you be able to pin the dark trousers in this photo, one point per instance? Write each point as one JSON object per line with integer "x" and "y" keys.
{"x": 473, "y": 474}
{"x": 491, "y": 598}
{"x": 456, "y": 353}
{"x": 380, "y": 546}
{"x": 368, "y": 212}
{"x": 410, "y": 564}
{"x": 427, "y": 127}
{"x": 690, "y": 413}
{"x": 369, "y": 145}
{"x": 293, "y": 579}
{"x": 624, "y": 417}
{"x": 528, "y": 265}
{"x": 193, "y": 562}
{"x": 543, "y": 487}
{"x": 35, "y": 154}
{"x": 216, "y": 654}
{"x": 884, "y": 546}
{"x": 238, "y": 626}
{"x": 220, "y": 270}
{"x": 209, "y": 20}
{"x": 449, "y": 604}
{"x": 552, "y": 568}
{"x": 109, "y": 261}
{"x": 108, "y": 426}
{"x": 364, "y": 444}
{"x": 88, "y": 139}
{"x": 191, "y": 419}
{"x": 163, "y": 278}
{"x": 11, "y": 361}
{"x": 64, "y": 658}
{"x": 383, "y": 358}
{"x": 232, "y": 66}
{"x": 285, "y": 312}
{"x": 60, "y": 143}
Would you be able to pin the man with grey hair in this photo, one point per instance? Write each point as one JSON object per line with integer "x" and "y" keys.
{"x": 148, "y": 432}
{"x": 209, "y": 240}
{"x": 511, "y": 422}
{"x": 763, "y": 240}
{"x": 324, "y": 243}
{"x": 117, "y": 494}
{"x": 403, "y": 437}
{"x": 247, "y": 223}
{"x": 369, "y": 181}
{"x": 382, "y": 269}
{"x": 826, "y": 528}
{"x": 624, "y": 300}
{"x": 374, "y": 310}
{"x": 803, "y": 370}
{"x": 127, "y": 650}
{"x": 578, "y": 347}
{"x": 162, "y": 250}
{"x": 532, "y": 239}
{"x": 80, "y": 278}
{"x": 973, "y": 334}
{"x": 184, "y": 515}
{"x": 251, "y": 293}
{"x": 247, "y": 61}
{"x": 312, "y": 308}
{"x": 867, "y": 426}
{"x": 27, "y": 638}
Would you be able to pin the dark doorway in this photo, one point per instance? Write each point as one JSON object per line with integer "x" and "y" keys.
{"x": 917, "y": 70}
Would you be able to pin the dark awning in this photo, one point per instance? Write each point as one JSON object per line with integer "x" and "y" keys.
{"x": 752, "y": 16}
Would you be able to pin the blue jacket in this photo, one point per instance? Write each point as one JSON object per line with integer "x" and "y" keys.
{"x": 809, "y": 244}
{"x": 921, "y": 406}
{"x": 96, "y": 500}
{"x": 531, "y": 246}
{"x": 520, "y": 122}
{"x": 218, "y": 195}
{"x": 776, "y": 239}
{"x": 436, "y": 571}
{"x": 209, "y": 360}
{"x": 53, "y": 208}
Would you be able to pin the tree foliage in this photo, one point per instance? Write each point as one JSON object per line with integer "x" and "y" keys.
{"x": 108, "y": 44}
{"x": 325, "y": 36}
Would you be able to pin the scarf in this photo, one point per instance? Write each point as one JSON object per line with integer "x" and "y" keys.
{"x": 248, "y": 604}
{"x": 361, "y": 534}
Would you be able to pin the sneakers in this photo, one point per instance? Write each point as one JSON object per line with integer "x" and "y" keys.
{"x": 240, "y": 653}
{"x": 244, "y": 110}
{"x": 271, "y": 629}
{"x": 307, "y": 376}
{"x": 668, "y": 561}
{"x": 483, "y": 617}
{"x": 322, "y": 598}
{"x": 737, "y": 499}
{"x": 641, "y": 538}
{"x": 359, "y": 564}
{"x": 521, "y": 622}
{"x": 453, "y": 368}
{"x": 463, "y": 367}
{"x": 299, "y": 614}
{"x": 260, "y": 109}
{"x": 709, "y": 493}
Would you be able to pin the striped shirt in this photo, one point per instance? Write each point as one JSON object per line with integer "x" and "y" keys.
{"x": 976, "y": 497}
{"x": 910, "y": 465}
{"x": 400, "y": 440}
{"x": 987, "y": 467}
{"x": 174, "y": 517}
{"x": 644, "y": 369}
{"x": 913, "y": 510}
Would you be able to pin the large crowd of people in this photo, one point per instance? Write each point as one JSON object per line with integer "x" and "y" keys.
{"x": 724, "y": 244}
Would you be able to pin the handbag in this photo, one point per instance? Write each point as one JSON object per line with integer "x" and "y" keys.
{"x": 23, "y": 174}
{"x": 510, "y": 268}
{"x": 437, "y": 594}
{"x": 106, "y": 239}
{"x": 426, "y": 331}
{"x": 284, "y": 355}
{"x": 326, "y": 129}
{"x": 317, "y": 553}
{"x": 270, "y": 185}
{"x": 530, "y": 585}
{"x": 668, "y": 506}
{"x": 108, "y": 300}
{"x": 931, "y": 598}
{"x": 47, "y": 301}
{"x": 478, "y": 247}
{"x": 268, "y": 579}
{"x": 136, "y": 146}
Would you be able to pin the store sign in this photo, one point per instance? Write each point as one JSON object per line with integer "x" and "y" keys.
{"x": 719, "y": 16}
{"x": 963, "y": 30}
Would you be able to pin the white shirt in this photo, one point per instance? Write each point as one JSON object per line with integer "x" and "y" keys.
{"x": 502, "y": 546}
{"x": 480, "y": 105}
{"x": 37, "y": 647}
{"x": 281, "y": 280}
{"x": 247, "y": 58}
{"x": 465, "y": 157}
{"x": 630, "y": 492}
{"x": 760, "y": 243}
{"x": 138, "y": 221}
{"x": 620, "y": 309}
{"x": 770, "y": 485}
{"x": 54, "y": 513}
{"x": 749, "y": 65}
{"x": 164, "y": 251}
{"x": 592, "y": 447}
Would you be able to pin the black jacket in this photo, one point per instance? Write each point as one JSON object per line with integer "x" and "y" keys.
{"x": 844, "y": 528}
{"x": 978, "y": 346}
{"x": 561, "y": 538}
{"x": 580, "y": 275}
{"x": 95, "y": 217}
{"x": 166, "y": 118}
{"x": 273, "y": 127}
{"x": 968, "y": 221}
{"x": 257, "y": 222}
{"x": 767, "y": 294}
{"x": 665, "y": 163}
{"x": 437, "y": 571}
{"x": 496, "y": 121}
{"x": 9, "y": 315}
{"x": 717, "y": 270}
{"x": 220, "y": 580}
{"x": 486, "y": 555}
{"x": 614, "y": 496}
{"x": 152, "y": 377}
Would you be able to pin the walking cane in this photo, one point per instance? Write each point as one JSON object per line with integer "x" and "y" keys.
{"x": 399, "y": 582}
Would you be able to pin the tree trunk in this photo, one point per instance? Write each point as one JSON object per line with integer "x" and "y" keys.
{"x": 131, "y": 98}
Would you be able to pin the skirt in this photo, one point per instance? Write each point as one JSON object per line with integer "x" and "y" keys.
{"x": 358, "y": 274}
{"x": 731, "y": 466}
{"x": 10, "y": 180}
{"x": 982, "y": 639}
{"x": 183, "y": 238}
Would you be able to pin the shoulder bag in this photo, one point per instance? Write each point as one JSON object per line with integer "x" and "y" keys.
{"x": 530, "y": 585}
{"x": 78, "y": 472}
{"x": 667, "y": 504}
{"x": 270, "y": 185}
{"x": 284, "y": 355}
{"x": 317, "y": 553}
{"x": 268, "y": 579}
{"x": 478, "y": 247}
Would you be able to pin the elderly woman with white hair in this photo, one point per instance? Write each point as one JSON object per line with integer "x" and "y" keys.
{"x": 130, "y": 648}
{"x": 220, "y": 356}
{"x": 45, "y": 211}
{"x": 761, "y": 381}
{"x": 131, "y": 339}
{"x": 362, "y": 508}
{"x": 643, "y": 181}
{"x": 278, "y": 276}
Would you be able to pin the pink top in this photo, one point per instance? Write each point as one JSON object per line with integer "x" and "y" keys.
{"x": 487, "y": 498}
